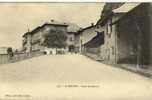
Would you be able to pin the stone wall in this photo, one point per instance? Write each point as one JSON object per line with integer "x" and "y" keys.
{"x": 108, "y": 49}
{"x": 150, "y": 31}
{"x": 133, "y": 36}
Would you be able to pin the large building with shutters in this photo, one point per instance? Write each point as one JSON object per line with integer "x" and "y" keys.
{"x": 33, "y": 41}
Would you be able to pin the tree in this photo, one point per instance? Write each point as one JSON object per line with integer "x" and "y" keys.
{"x": 55, "y": 39}
{"x": 10, "y": 51}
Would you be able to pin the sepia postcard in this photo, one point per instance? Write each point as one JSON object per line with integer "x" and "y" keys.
{"x": 75, "y": 51}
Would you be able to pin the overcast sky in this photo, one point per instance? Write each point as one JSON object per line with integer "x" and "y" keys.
{"x": 16, "y": 18}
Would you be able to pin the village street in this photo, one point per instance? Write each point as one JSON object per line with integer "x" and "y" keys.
{"x": 48, "y": 76}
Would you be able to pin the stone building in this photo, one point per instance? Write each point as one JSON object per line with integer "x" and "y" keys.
{"x": 78, "y": 41}
{"x": 32, "y": 41}
{"x": 72, "y": 31}
{"x": 4, "y": 57}
{"x": 3, "y": 50}
{"x": 26, "y": 43}
{"x": 108, "y": 48}
{"x": 83, "y": 37}
{"x": 104, "y": 26}
{"x": 127, "y": 34}
{"x": 99, "y": 39}
{"x": 134, "y": 39}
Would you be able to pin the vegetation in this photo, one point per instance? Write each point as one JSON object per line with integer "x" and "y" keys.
{"x": 10, "y": 51}
{"x": 55, "y": 39}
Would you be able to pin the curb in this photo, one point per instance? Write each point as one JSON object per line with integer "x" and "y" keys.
{"x": 139, "y": 72}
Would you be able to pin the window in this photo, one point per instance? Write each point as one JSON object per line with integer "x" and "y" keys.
{"x": 118, "y": 34}
{"x": 109, "y": 27}
{"x": 71, "y": 39}
{"x": 97, "y": 26}
{"x": 103, "y": 37}
{"x": 113, "y": 50}
{"x": 108, "y": 54}
{"x": 111, "y": 24}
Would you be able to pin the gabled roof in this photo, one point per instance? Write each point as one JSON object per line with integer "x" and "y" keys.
{"x": 107, "y": 12}
{"x": 25, "y": 34}
{"x": 96, "y": 41}
{"x": 83, "y": 29}
{"x": 126, "y": 7}
{"x": 37, "y": 29}
{"x": 133, "y": 7}
{"x": 52, "y": 22}
{"x": 108, "y": 7}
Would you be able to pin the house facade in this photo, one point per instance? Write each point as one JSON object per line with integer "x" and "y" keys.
{"x": 109, "y": 31}
{"x": 33, "y": 41}
{"x": 127, "y": 35}
{"x": 104, "y": 25}
{"x": 134, "y": 39}
{"x": 100, "y": 39}
{"x": 4, "y": 50}
{"x": 78, "y": 42}
{"x": 26, "y": 43}
{"x": 72, "y": 30}
{"x": 84, "y": 36}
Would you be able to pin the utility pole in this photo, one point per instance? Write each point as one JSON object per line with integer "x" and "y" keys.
{"x": 116, "y": 34}
{"x": 139, "y": 48}
{"x": 80, "y": 43}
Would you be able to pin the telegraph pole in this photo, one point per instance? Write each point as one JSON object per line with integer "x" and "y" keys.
{"x": 139, "y": 48}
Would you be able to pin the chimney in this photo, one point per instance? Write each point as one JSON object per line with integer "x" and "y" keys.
{"x": 92, "y": 24}
{"x": 52, "y": 20}
{"x": 28, "y": 30}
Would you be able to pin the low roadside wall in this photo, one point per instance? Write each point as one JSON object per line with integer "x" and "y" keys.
{"x": 5, "y": 58}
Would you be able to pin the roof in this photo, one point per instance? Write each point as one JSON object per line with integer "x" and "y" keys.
{"x": 73, "y": 27}
{"x": 96, "y": 41}
{"x": 83, "y": 29}
{"x": 111, "y": 9}
{"x": 107, "y": 11}
{"x": 129, "y": 10}
{"x": 3, "y": 50}
{"x": 52, "y": 22}
{"x": 37, "y": 29}
{"x": 25, "y": 34}
{"x": 126, "y": 7}
{"x": 4, "y": 47}
{"x": 108, "y": 7}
